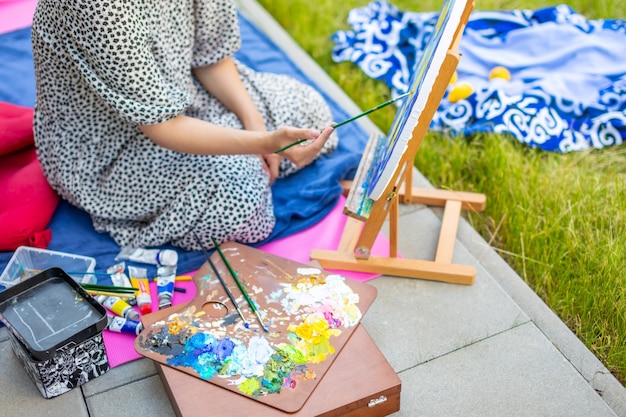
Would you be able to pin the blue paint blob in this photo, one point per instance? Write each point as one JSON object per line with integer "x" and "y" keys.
{"x": 224, "y": 349}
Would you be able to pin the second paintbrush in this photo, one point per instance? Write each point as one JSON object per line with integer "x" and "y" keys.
{"x": 219, "y": 277}
{"x": 239, "y": 284}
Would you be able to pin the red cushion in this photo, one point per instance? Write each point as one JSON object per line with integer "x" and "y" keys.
{"x": 16, "y": 127}
{"x": 27, "y": 202}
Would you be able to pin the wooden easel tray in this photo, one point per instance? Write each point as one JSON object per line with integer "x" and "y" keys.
{"x": 310, "y": 314}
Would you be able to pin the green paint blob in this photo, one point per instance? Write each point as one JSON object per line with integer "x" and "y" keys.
{"x": 250, "y": 386}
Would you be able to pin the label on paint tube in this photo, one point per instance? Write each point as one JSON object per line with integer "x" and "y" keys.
{"x": 166, "y": 276}
{"x": 122, "y": 325}
{"x": 119, "y": 307}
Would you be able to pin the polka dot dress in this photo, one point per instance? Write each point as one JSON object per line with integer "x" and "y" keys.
{"x": 105, "y": 67}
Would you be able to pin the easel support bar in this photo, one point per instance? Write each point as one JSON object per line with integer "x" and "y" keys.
{"x": 410, "y": 268}
{"x": 438, "y": 198}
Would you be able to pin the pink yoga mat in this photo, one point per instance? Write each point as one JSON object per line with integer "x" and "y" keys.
{"x": 16, "y": 14}
{"x": 324, "y": 235}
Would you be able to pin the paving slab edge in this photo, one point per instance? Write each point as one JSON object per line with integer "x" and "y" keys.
{"x": 581, "y": 358}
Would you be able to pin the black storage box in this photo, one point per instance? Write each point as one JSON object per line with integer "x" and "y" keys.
{"x": 56, "y": 331}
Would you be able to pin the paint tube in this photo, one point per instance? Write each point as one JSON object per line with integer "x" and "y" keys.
{"x": 149, "y": 256}
{"x": 122, "y": 325}
{"x": 118, "y": 277}
{"x": 139, "y": 279}
{"x": 119, "y": 307}
{"x": 166, "y": 275}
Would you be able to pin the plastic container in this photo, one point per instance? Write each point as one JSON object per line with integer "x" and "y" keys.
{"x": 27, "y": 261}
{"x": 55, "y": 329}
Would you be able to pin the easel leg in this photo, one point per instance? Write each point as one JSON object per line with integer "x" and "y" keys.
{"x": 351, "y": 232}
{"x": 393, "y": 229}
{"x": 449, "y": 228}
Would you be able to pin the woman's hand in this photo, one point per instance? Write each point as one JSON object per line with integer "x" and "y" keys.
{"x": 302, "y": 154}
{"x": 271, "y": 163}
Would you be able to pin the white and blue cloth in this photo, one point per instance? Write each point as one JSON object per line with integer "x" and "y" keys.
{"x": 568, "y": 74}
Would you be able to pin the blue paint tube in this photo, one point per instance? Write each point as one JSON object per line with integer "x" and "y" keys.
{"x": 166, "y": 275}
{"x": 122, "y": 325}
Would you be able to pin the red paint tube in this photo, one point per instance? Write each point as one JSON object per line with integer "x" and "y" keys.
{"x": 139, "y": 280}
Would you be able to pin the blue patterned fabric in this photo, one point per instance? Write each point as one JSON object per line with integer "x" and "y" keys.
{"x": 568, "y": 74}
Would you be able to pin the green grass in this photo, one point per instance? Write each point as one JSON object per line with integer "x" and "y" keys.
{"x": 558, "y": 220}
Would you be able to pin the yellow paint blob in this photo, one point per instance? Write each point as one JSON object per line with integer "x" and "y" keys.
{"x": 500, "y": 72}
{"x": 460, "y": 91}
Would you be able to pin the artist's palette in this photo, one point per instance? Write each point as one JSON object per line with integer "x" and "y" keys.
{"x": 310, "y": 315}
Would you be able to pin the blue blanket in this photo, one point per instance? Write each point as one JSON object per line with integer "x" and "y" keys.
{"x": 300, "y": 200}
{"x": 568, "y": 74}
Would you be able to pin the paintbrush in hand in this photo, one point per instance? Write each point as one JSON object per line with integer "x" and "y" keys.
{"x": 351, "y": 119}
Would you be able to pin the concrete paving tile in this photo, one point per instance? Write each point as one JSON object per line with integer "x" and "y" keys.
{"x": 142, "y": 398}
{"x": 413, "y": 320}
{"x": 120, "y": 375}
{"x": 419, "y": 235}
{"x": 20, "y": 397}
{"x": 515, "y": 373}
{"x": 546, "y": 320}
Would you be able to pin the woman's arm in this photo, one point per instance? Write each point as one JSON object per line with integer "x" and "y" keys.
{"x": 189, "y": 135}
{"x": 195, "y": 136}
{"x": 223, "y": 82}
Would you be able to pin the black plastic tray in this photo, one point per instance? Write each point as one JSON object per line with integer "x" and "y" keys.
{"x": 50, "y": 310}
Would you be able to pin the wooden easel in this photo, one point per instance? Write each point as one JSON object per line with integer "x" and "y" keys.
{"x": 354, "y": 251}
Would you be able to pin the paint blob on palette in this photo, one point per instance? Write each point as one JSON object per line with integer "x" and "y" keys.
{"x": 310, "y": 315}
{"x": 317, "y": 308}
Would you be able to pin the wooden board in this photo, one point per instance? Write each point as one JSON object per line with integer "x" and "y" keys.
{"x": 290, "y": 297}
{"x": 361, "y": 383}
